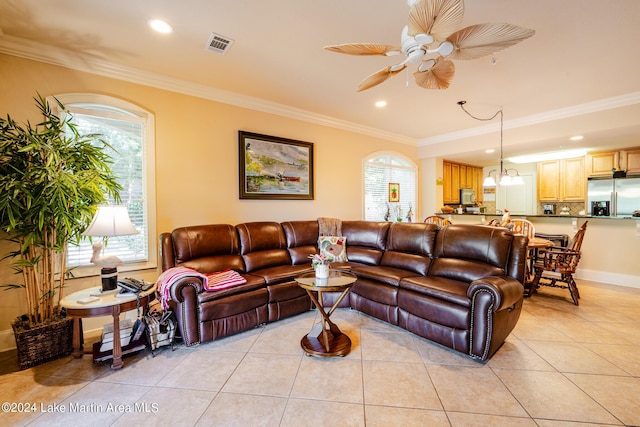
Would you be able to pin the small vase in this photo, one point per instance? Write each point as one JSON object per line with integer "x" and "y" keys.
{"x": 322, "y": 271}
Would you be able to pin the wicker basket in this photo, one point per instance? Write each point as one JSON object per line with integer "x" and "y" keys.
{"x": 43, "y": 343}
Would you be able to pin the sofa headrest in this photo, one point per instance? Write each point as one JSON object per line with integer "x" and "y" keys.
{"x": 416, "y": 238}
{"x": 300, "y": 233}
{"x": 260, "y": 236}
{"x": 491, "y": 245}
{"x": 204, "y": 240}
{"x": 369, "y": 234}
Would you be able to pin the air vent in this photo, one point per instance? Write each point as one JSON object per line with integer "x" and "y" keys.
{"x": 218, "y": 44}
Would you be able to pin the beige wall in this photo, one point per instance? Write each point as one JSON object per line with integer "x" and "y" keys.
{"x": 197, "y": 154}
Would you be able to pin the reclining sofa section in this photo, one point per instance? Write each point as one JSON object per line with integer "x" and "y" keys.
{"x": 459, "y": 286}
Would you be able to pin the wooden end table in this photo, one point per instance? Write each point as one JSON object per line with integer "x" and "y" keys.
{"x": 325, "y": 338}
{"x": 107, "y": 304}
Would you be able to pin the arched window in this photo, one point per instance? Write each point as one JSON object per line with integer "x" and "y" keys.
{"x": 390, "y": 187}
{"x": 129, "y": 129}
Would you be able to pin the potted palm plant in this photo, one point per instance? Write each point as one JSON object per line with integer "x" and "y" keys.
{"x": 52, "y": 179}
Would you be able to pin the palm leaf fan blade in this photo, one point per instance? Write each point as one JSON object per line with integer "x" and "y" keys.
{"x": 481, "y": 40}
{"x": 363, "y": 49}
{"x": 439, "y": 18}
{"x": 378, "y": 77}
{"x": 438, "y": 77}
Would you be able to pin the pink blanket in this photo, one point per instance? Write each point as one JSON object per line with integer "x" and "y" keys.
{"x": 211, "y": 282}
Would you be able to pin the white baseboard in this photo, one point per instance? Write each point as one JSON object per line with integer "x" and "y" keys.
{"x": 609, "y": 278}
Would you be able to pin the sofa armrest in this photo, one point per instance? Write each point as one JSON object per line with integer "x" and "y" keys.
{"x": 496, "y": 302}
{"x": 184, "y": 302}
{"x": 506, "y": 291}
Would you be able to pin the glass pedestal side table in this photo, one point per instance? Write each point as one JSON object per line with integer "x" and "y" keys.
{"x": 325, "y": 338}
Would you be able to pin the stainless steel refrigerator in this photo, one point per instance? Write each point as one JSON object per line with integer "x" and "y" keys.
{"x": 613, "y": 197}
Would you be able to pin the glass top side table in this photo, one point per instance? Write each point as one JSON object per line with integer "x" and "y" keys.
{"x": 325, "y": 338}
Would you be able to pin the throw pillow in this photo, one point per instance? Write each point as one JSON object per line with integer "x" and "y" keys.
{"x": 333, "y": 247}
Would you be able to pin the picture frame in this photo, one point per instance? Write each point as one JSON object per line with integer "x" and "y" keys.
{"x": 274, "y": 168}
{"x": 394, "y": 192}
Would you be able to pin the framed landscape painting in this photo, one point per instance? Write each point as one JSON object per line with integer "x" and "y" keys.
{"x": 275, "y": 168}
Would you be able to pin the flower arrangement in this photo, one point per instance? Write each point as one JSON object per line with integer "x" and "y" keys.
{"x": 319, "y": 259}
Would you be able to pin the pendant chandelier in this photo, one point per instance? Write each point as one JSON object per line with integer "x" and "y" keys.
{"x": 504, "y": 176}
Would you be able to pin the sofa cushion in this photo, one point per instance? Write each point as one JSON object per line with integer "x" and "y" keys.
{"x": 262, "y": 245}
{"x": 387, "y": 275}
{"x": 451, "y": 315}
{"x": 211, "y": 264}
{"x": 410, "y": 246}
{"x": 281, "y": 273}
{"x": 260, "y": 236}
{"x": 302, "y": 240}
{"x": 334, "y": 248}
{"x": 253, "y": 282}
{"x": 202, "y": 240}
{"x": 470, "y": 252}
{"x": 365, "y": 240}
{"x": 485, "y": 244}
{"x": 453, "y": 291}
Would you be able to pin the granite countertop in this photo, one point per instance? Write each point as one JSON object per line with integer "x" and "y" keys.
{"x": 543, "y": 216}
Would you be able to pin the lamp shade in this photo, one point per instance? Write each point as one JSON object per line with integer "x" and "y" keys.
{"x": 489, "y": 181}
{"x": 111, "y": 221}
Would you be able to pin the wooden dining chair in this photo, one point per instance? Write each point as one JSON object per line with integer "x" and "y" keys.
{"x": 524, "y": 227}
{"x": 440, "y": 221}
{"x": 559, "y": 264}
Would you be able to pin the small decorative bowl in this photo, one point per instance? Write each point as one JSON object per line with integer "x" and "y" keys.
{"x": 446, "y": 209}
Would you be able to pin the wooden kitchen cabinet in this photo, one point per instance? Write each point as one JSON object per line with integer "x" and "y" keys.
{"x": 630, "y": 161}
{"x": 601, "y": 164}
{"x": 561, "y": 180}
{"x": 572, "y": 180}
{"x": 457, "y": 176}
{"x": 463, "y": 176}
{"x": 549, "y": 181}
{"x": 451, "y": 186}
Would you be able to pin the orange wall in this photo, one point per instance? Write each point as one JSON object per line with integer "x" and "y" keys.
{"x": 197, "y": 152}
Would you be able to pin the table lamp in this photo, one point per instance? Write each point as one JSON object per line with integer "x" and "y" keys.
{"x": 109, "y": 221}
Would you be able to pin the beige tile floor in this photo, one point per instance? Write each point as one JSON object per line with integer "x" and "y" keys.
{"x": 562, "y": 366}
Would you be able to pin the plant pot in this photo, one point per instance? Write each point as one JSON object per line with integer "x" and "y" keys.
{"x": 42, "y": 343}
{"x": 322, "y": 271}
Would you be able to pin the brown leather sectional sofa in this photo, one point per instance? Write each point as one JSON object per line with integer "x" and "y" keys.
{"x": 459, "y": 286}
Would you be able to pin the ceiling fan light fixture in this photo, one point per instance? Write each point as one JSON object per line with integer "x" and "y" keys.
{"x": 446, "y": 48}
{"x": 426, "y": 65}
{"x": 432, "y": 21}
{"x": 423, "y": 39}
{"x": 416, "y": 55}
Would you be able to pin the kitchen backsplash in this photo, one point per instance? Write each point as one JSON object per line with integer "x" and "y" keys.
{"x": 574, "y": 207}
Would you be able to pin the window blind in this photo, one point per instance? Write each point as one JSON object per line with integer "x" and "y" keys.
{"x": 378, "y": 173}
{"x": 126, "y": 135}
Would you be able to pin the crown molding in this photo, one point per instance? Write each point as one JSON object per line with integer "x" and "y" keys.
{"x": 548, "y": 116}
{"x": 34, "y": 51}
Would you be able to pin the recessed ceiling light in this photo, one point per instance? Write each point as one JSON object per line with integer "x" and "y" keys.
{"x": 160, "y": 26}
{"x": 489, "y": 151}
{"x": 577, "y": 138}
{"x": 381, "y": 104}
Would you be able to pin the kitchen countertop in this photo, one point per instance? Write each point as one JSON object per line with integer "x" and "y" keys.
{"x": 542, "y": 216}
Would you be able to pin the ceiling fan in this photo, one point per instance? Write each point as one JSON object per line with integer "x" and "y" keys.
{"x": 430, "y": 39}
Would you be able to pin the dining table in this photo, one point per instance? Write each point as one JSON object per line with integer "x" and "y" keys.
{"x": 533, "y": 247}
